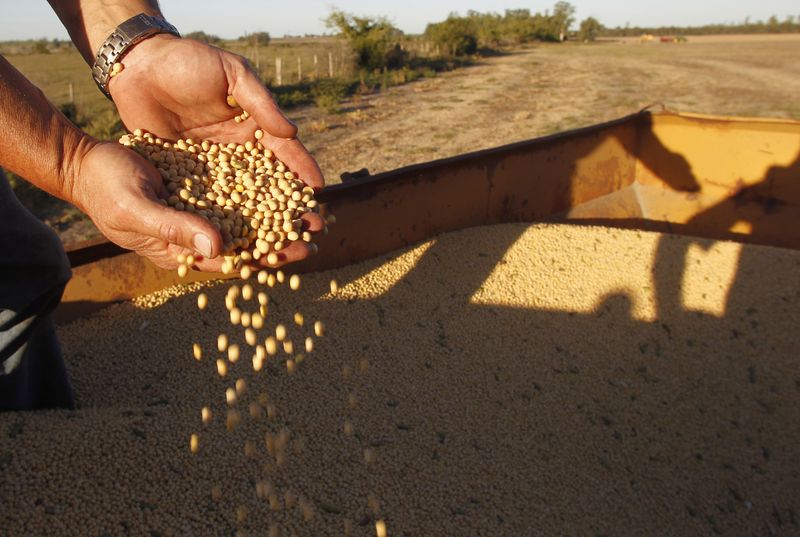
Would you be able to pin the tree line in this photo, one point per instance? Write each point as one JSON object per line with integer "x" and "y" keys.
{"x": 773, "y": 25}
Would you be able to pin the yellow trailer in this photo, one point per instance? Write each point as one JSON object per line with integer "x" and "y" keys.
{"x": 591, "y": 333}
{"x": 712, "y": 177}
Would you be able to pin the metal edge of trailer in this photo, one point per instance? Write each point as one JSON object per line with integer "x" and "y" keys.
{"x": 658, "y": 171}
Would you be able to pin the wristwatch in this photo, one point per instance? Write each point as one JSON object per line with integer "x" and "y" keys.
{"x": 127, "y": 34}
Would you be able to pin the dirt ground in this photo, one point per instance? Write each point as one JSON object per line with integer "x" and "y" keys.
{"x": 551, "y": 88}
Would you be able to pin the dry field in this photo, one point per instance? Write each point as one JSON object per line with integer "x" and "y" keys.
{"x": 551, "y": 88}
{"x": 520, "y": 95}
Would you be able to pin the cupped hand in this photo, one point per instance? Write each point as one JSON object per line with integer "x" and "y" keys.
{"x": 178, "y": 88}
{"x": 121, "y": 193}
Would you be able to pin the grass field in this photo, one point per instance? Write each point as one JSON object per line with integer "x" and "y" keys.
{"x": 54, "y": 73}
{"x": 515, "y": 96}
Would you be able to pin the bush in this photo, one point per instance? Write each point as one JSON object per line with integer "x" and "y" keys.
{"x": 72, "y": 114}
{"x": 461, "y": 36}
{"x": 457, "y": 35}
{"x": 329, "y": 92}
{"x": 590, "y": 29}
{"x": 291, "y": 97}
{"x": 42, "y": 46}
{"x": 262, "y": 39}
{"x": 203, "y": 37}
{"x": 375, "y": 42}
{"x": 106, "y": 126}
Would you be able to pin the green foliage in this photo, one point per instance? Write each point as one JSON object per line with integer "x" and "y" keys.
{"x": 329, "y": 92}
{"x": 42, "y": 46}
{"x": 70, "y": 110}
{"x": 458, "y": 36}
{"x": 563, "y": 17}
{"x": 288, "y": 96}
{"x": 105, "y": 126}
{"x": 203, "y": 37}
{"x": 375, "y": 42}
{"x": 261, "y": 39}
{"x": 518, "y": 26}
{"x": 461, "y": 36}
{"x": 488, "y": 28}
{"x": 590, "y": 29}
{"x": 790, "y": 24}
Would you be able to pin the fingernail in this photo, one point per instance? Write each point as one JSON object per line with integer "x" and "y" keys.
{"x": 202, "y": 244}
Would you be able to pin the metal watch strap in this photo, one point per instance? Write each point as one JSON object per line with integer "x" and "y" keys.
{"x": 127, "y": 34}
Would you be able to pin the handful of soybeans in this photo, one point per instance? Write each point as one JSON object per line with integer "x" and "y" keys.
{"x": 242, "y": 189}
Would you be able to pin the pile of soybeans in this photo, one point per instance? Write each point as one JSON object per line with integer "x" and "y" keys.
{"x": 497, "y": 381}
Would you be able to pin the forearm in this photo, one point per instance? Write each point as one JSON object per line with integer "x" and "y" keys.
{"x": 38, "y": 142}
{"x": 90, "y": 22}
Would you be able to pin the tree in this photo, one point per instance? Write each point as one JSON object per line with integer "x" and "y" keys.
{"x": 590, "y": 29}
{"x": 518, "y": 25}
{"x": 563, "y": 17}
{"x": 773, "y": 26}
{"x": 374, "y": 41}
{"x": 487, "y": 28}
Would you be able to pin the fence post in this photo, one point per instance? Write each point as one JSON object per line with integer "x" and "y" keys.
{"x": 330, "y": 64}
{"x": 278, "y": 73}
{"x": 71, "y": 94}
{"x": 316, "y": 67}
{"x": 299, "y": 69}
{"x": 258, "y": 59}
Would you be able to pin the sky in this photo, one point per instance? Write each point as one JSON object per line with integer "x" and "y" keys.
{"x": 31, "y": 19}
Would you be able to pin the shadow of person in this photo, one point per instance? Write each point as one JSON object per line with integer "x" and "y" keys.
{"x": 769, "y": 209}
{"x": 569, "y": 186}
{"x": 671, "y": 167}
{"x": 514, "y": 420}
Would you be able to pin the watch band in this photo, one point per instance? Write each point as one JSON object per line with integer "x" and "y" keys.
{"x": 127, "y": 34}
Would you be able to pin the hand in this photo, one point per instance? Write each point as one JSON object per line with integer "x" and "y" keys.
{"x": 177, "y": 88}
{"x": 120, "y": 192}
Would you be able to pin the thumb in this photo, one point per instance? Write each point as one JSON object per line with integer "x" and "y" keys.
{"x": 184, "y": 229}
{"x": 258, "y": 101}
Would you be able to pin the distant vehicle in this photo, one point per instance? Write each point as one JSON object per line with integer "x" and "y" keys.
{"x": 673, "y": 39}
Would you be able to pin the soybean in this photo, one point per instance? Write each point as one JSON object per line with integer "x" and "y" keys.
{"x": 294, "y": 282}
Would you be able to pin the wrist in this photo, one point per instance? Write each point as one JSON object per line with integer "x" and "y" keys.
{"x": 111, "y": 16}
{"x": 90, "y": 22}
{"x": 121, "y": 41}
{"x": 139, "y": 59}
{"x": 76, "y": 151}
